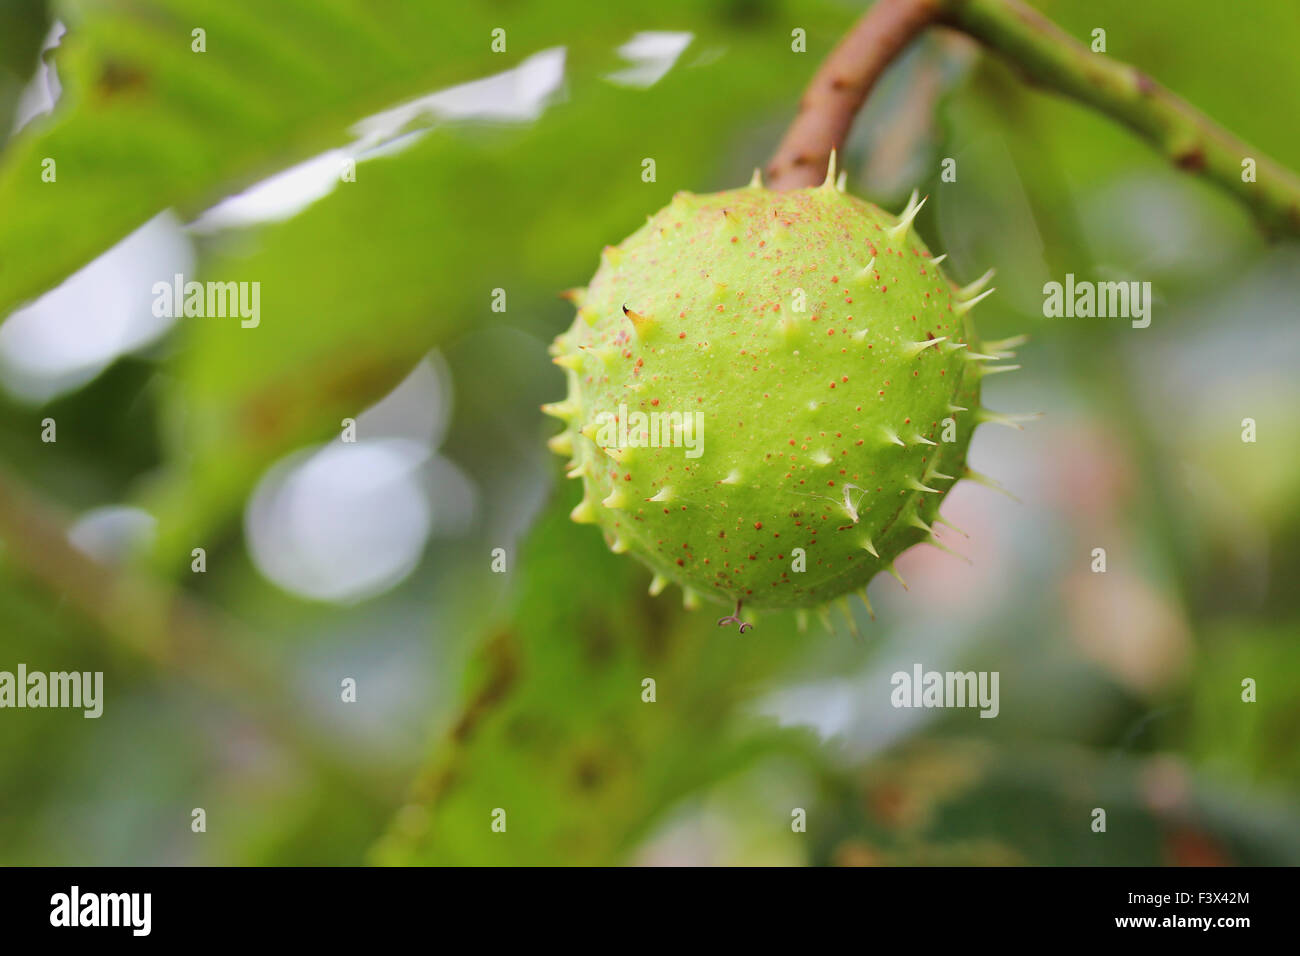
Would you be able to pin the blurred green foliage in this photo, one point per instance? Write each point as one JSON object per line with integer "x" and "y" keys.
{"x": 23, "y": 25}
{"x": 523, "y": 691}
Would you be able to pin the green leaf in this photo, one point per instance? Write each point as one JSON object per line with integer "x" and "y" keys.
{"x": 146, "y": 123}
{"x": 555, "y": 729}
{"x": 359, "y": 286}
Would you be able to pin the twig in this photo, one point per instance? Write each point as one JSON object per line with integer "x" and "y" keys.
{"x": 1190, "y": 139}
{"x": 134, "y": 611}
{"x": 1052, "y": 59}
{"x": 162, "y": 626}
{"x": 840, "y": 86}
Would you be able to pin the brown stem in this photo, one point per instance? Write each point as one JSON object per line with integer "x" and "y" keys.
{"x": 1047, "y": 55}
{"x": 840, "y": 86}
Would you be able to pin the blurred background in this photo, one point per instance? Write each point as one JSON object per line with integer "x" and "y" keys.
{"x": 381, "y": 170}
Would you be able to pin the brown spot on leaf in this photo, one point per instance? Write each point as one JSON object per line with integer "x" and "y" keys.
{"x": 116, "y": 78}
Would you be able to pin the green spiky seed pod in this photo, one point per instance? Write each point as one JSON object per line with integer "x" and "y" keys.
{"x": 824, "y": 376}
